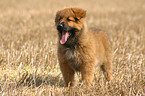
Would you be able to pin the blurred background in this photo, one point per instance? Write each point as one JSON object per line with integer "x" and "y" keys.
{"x": 28, "y": 47}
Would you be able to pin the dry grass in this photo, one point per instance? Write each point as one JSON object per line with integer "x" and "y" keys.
{"x": 28, "y": 45}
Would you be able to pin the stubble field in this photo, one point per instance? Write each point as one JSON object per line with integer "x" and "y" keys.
{"x": 28, "y": 47}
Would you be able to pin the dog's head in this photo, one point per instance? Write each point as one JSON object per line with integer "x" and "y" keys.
{"x": 69, "y": 23}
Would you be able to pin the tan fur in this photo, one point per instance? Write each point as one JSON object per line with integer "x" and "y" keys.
{"x": 93, "y": 47}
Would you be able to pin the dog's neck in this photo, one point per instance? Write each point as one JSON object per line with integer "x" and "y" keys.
{"x": 72, "y": 46}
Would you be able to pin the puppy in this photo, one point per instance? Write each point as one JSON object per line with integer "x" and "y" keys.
{"x": 80, "y": 49}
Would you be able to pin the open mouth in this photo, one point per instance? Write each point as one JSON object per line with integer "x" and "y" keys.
{"x": 66, "y": 32}
{"x": 64, "y": 38}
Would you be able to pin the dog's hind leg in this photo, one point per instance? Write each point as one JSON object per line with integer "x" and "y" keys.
{"x": 107, "y": 70}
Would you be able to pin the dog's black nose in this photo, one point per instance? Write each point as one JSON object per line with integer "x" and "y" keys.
{"x": 60, "y": 26}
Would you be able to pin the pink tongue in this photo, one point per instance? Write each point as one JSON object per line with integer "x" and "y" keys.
{"x": 64, "y": 37}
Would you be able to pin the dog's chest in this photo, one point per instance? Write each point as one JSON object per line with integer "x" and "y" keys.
{"x": 74, "y": 57}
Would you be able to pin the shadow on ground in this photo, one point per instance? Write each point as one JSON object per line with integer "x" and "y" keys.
{"x": 37, "y": 80}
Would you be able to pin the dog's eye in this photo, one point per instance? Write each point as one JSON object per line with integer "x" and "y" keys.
{"x": 76, "y": 19}
{"x": 68, "y": 19}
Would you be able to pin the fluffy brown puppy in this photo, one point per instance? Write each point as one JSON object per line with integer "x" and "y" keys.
{"x": 80, "y": 49}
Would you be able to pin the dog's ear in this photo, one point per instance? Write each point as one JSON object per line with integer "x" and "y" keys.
{"x": 57, "y": 16}
{"x": 79, "y": 13}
